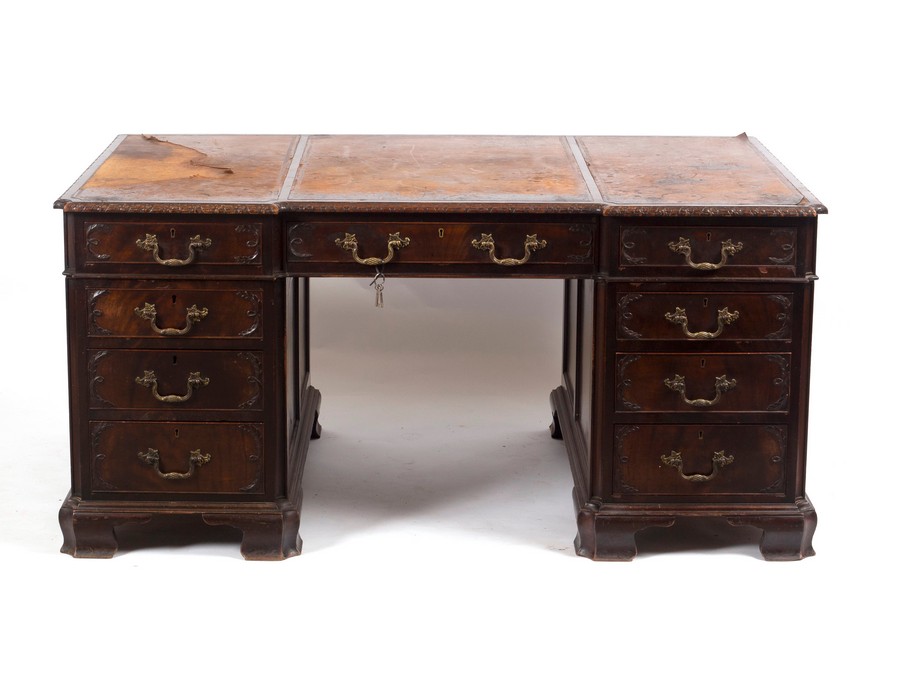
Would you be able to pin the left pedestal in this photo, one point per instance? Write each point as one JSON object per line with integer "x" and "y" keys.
{"x": 189, "y": 393}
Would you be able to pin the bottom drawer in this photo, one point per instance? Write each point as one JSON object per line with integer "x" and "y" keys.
{"x": 174, "y": 458}
{"x": 697, "y": 460}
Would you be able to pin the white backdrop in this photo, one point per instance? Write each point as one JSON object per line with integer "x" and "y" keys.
{"x": 437, "y": 521}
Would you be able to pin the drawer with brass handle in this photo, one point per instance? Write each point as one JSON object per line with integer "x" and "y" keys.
{"x": 172, "y": 458}
{"x": 147, "y": 380}
{"x": 713, "y": 316}
{"x": 170, "y": 246}
{"x": 532, "y": 247}
{"x": 697, "y": 461}
{"x": 702, "y": 383}
{"x": 172, "y": 311}
{"x": 707, "y": 251}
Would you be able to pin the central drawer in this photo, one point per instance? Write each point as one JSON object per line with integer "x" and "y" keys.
{"x": 353, "y": 246}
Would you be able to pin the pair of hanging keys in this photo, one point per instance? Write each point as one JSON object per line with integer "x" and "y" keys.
{"x": 378, "y": 282}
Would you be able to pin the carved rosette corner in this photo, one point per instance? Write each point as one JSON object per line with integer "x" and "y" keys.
{"x": 779, "y": 435}
{"x": 91, "y": 242}
{"x": 785, "y": 316}
{"x": 625, "y": 315}
{"x": 254, "y": 378}
{"x": 253, "y": 233}
{"x": 629, "y": 243}
{"x": 253, "y": 313}
{"x": 255, "y": 459}
{"x": 587, "y": 243}
{"x": 622, "y": 460}
{"x": 295, "y": 240}
{"x": 788, "y": 248}
{"x": 781, "y": 381}
{"x": 623, "y": 383}
{"x": 96, "y": 381}
{"x": 98, "y": 483}
{"x": 94, "y": 314}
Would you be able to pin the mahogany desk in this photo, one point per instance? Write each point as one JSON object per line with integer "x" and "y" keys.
{"x": 688, "y": 266}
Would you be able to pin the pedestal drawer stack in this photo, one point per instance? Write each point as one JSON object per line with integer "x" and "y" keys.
{"x": 705, "y": 411}
{"x": 176, "y": 325}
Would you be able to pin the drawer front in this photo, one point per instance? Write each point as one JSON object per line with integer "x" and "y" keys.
{"x": 175, "y": 380}
{"x": 169, "y": 247}
{"x": 172, "y": 311}
{"x": 696, "y": 460}
{"x": 702, "y": 383}
{"x": 704, "y": 316}
{"x": 521, "y": 246}
{"x": 177, "y": 458}
{"x": 707, "y": 251}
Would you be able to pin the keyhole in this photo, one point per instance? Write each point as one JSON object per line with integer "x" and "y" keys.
{"x": 702, "y": 362}
{"x": 708, "y": 236}
{"x": 440, "y": 232}
{"x": 176, "y": 433}
{"x": 174, "y": 360}
{"x": 173, "y": 299}
{"x": 701, "y": 434}
{"x": 172, "y": 233}
{"x": 705, "y": 301}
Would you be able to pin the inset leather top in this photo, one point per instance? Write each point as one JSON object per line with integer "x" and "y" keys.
{"x": 266, "y": 174}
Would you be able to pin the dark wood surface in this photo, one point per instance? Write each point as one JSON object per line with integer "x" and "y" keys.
{"x": 689, "y": 267}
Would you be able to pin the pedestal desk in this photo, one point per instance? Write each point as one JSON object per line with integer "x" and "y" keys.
{"x": 688, "y": 266}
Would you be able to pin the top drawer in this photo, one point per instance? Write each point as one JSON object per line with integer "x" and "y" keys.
{"x": 706, "y": 250}
{"x": 531, "y": 248}
{"x": 168, "y": 246}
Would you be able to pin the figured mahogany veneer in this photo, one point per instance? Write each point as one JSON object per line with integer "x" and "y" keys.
{"x": 688, "y": 264}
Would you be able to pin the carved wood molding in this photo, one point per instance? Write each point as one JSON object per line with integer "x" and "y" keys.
{"x": 255, "y": 486}
{"x": 789, "y": 248}
{"x": 785, "y": 316}
{"x": 95, "y": 380}
{"x": 253, "y": 232}
{"x": 295, "y": 240}
{"x": 91, "y": 242}
{"x": 255, "y": 379}
{"x": 172, "y": 208}
{"x": 97, "y": 458}
{"x": 622, "y": 460}
{"x": 623, "y": 383}
{"x": 628, "y": 244}
{"x": 799, "y": 211}
{"x": 779, "y": 434}
{"x": 587, "y": 243}
{"x": 94, "y": 313}
{"x": 625, "y": 315}
{"x": 253, "y": 313}
{"x": 782, "y": 380}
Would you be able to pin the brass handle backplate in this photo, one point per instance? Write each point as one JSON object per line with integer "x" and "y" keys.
{"x": 486, "y": 243}
{"x": 349, "y": 243}
{"x": 151, "y": 244}
{"x": 193, "y": 315}
{"x": 725, "y": 317}
{"x": 197, "y": 459}
{"x": 723, "y": 384}
{"x": 148, "y": 380}
{"x": 719, "y": 460}
{"x": 683, "y": 246}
